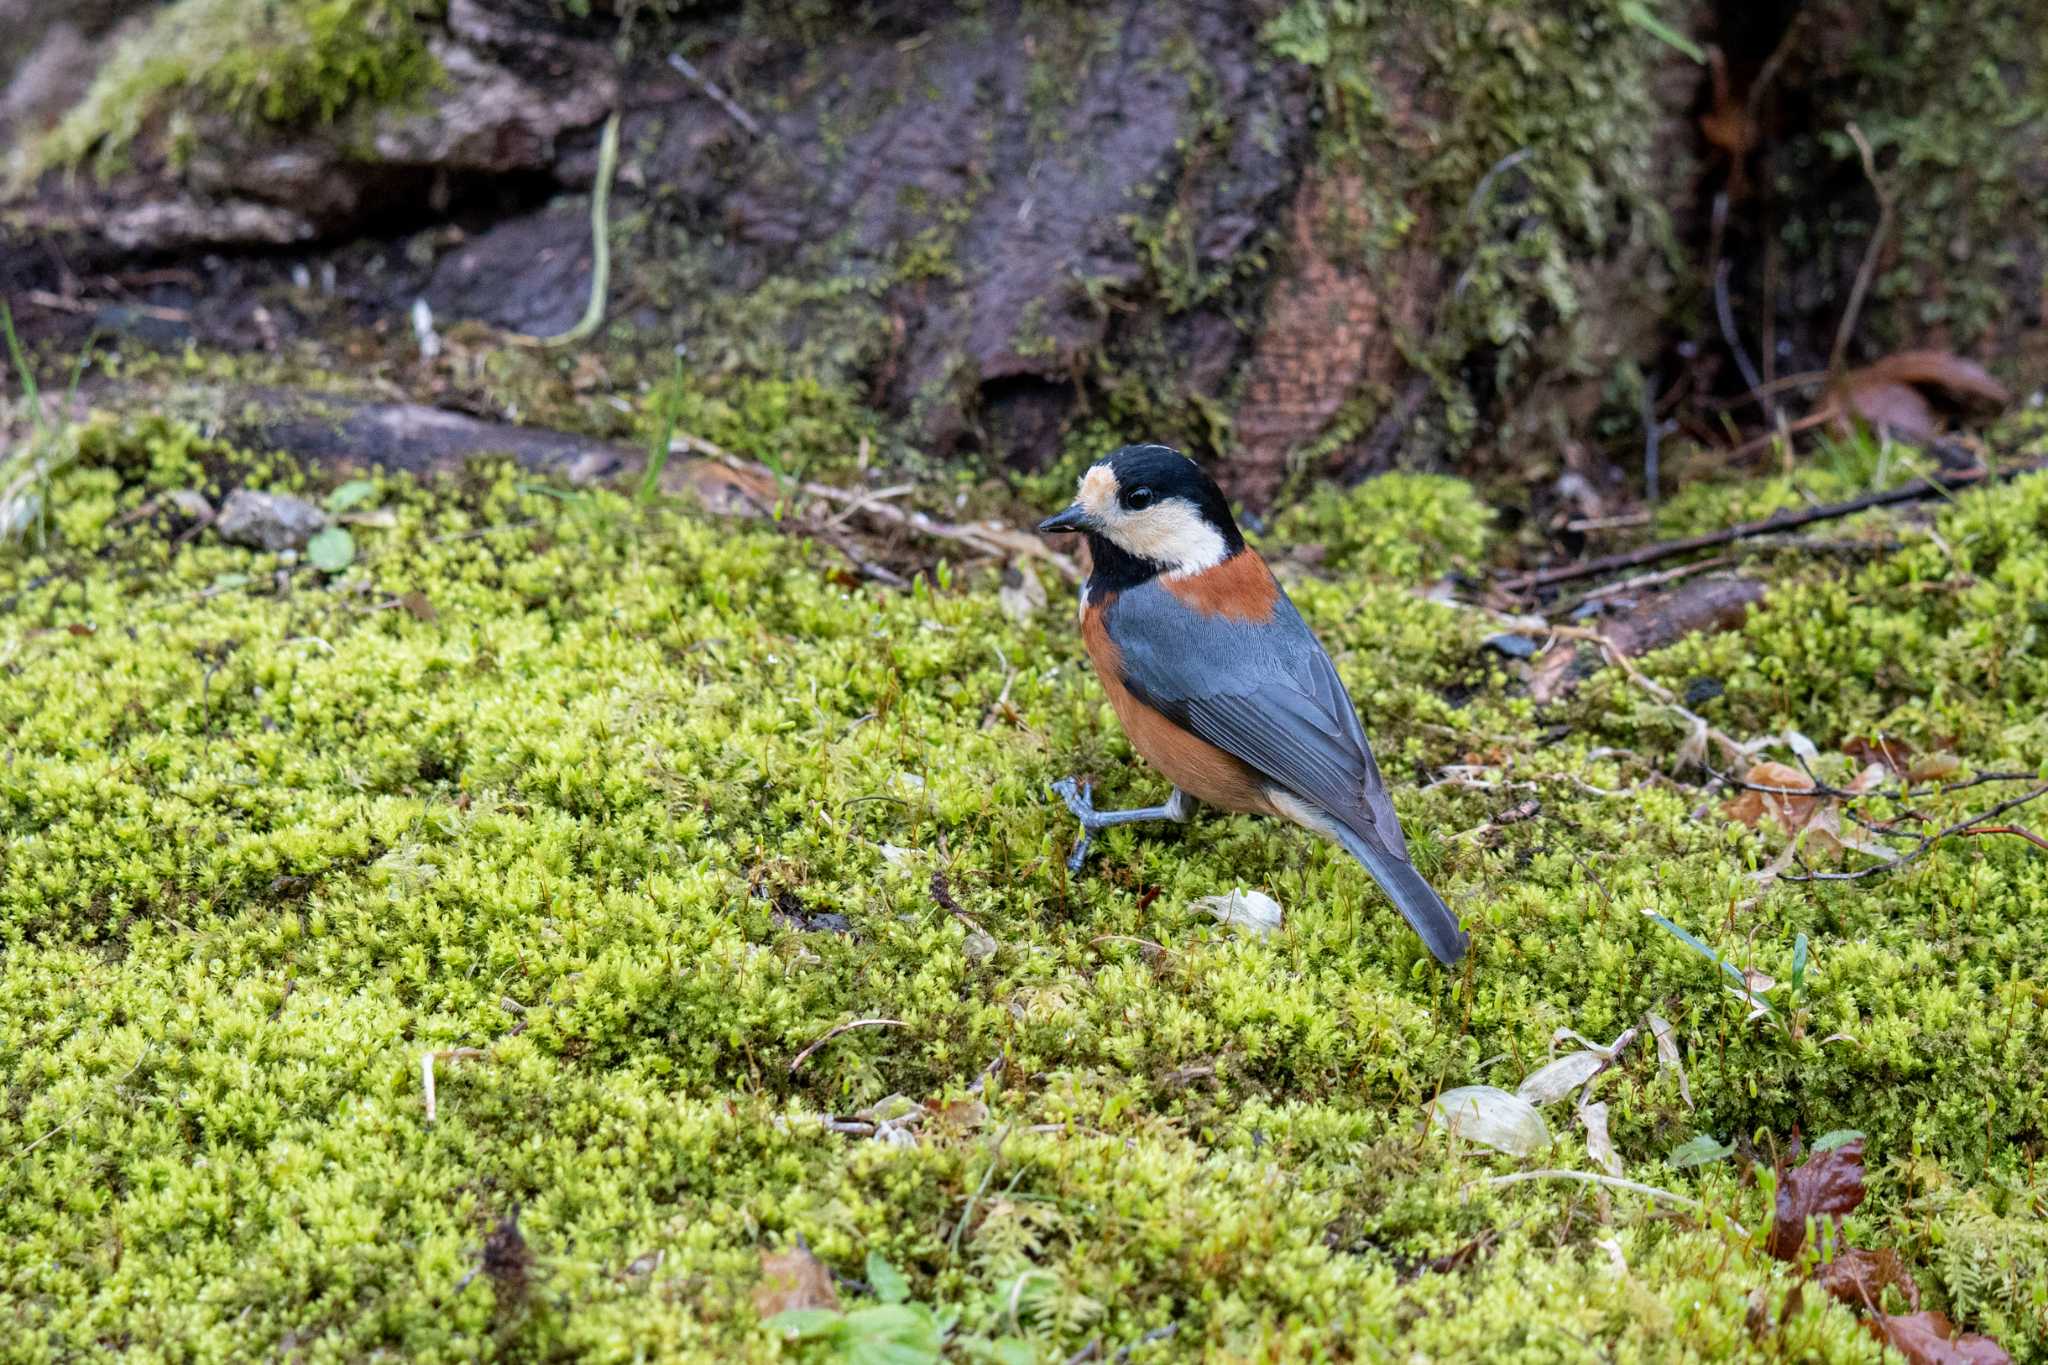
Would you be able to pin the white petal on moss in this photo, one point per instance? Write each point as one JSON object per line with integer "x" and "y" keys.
{"x": 1549, "y": 1084}
{"x": 1598, "y": 1145}
{"x": 1250, "y": 910}
{"x": 1667, "y": 1053}
{"x": 1492, "y": 1118}
{"x": 1612, "y": 1246}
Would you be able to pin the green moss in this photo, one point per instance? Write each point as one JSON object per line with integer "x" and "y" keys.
{"x": 273, "y": 61}
{"x": 822, "y": 318}
{"x": 1400, "y": 526}
{"x": 568, "y": 805}
{"x": 798, "y": 425}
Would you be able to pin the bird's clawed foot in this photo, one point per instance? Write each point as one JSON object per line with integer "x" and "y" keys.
{"x": 1078, "y": 796}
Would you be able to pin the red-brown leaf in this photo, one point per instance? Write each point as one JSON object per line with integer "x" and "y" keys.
{"x": 1897, "y": 408}
{"x": 1828, "y": 1185}
{"x": 1859, "y": 1278}
{"x": 1961, "y": 380}
{"x": 1929, "y": 1339}
{"x": 1892, "y": 394}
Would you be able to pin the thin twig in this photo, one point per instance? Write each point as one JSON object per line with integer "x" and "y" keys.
{"x": 1651, "y": 580}
{"x": 838, "y": 1029}
{"x": 85, "y": 1108}
{"x": 718, "y": 96}
{"x": 1804, "y": 379}
{"x": 446, "y": 1054}
{"x": 1724, "y": 311}
{"x": 1927, "y": 842}
{"x": 1820, "y": 788}
{"x": 1932, "y": 486}
{"x": 57, "y": 303}
{"x": 1868, "y": 270}
{"x": 1613, "y": 1182}
{"x": 990, "y": 538}
{"x": 1618, "y": 522}
{"x": 942, "y": 892}
{"x": 2019, "y": 830}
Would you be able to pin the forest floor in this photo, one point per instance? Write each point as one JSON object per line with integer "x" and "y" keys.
{"x": 557, "y": 923}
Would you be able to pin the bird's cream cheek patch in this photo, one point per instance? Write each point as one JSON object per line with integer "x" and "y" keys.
{"x": 1171, "y": 533}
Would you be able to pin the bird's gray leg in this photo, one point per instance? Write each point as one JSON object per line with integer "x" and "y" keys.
{"x": 1177, "y": 808}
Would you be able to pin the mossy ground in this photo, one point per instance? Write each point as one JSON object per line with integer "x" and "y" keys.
{"x": 268, "y": 839}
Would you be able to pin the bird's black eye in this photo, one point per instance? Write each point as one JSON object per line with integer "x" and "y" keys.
{"x": 1138, "y": 499}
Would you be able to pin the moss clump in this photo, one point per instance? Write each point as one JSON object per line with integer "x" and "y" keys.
{"x": 1400, "y": 526}
{"x": 1517, "y": 145}
{"x": 1960, "y": 129}
{"x": 256, "y": 61}
{"x": 798, "y": 425}
{"x": 572, "y": 783}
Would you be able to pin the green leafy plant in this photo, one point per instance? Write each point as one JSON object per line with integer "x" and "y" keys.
{"x": 893, "y": 1331}
{"x": 351, "y": 495}
{"x": 1642, "y": 17}
{"x": 25, "y": 474}
{"x": 333, "y": 550}
{"x": 1700, "y": 1150}
{"x": 1741, "y": 983}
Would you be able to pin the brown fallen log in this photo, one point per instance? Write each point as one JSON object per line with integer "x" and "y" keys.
{"x": 418, "y": 439}
{"x": 1708, "y": 604}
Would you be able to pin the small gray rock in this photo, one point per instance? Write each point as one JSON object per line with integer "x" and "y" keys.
{"x": 268, "y": 521}
{"x": 189, "y": 503}
{"x": 1510, "y": 645}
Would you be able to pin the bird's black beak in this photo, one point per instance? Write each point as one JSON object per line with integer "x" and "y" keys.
{"x": 1075, "y": 518}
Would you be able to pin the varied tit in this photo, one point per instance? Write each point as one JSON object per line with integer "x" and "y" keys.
{"x": 1218, "y": 681}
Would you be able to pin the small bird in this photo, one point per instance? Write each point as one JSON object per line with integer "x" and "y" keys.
{"x": 1219, "y": 682}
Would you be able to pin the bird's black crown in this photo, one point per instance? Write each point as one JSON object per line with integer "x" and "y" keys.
{"x": 1152, "y": 473}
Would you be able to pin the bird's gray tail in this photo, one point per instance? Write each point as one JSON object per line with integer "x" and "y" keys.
{"x": 1417, "y": 901}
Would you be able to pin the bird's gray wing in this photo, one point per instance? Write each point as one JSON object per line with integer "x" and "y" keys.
{"x": 1264, "y": 692}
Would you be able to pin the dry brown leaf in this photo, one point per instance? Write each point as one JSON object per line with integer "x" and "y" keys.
{"x": 1893, "y": 394}
{"x": 1726, "y": 125}
{"x": 1827, "y": 1185}
{"x": 1935, "y": 767}
{"x": 1898, "y": 409}
{"x": 1791, "y": 812}
{"x": 1547, "y": 674}
{"x": 793, "y": 1279}
{"x": 1859, "y": 1278}
{"x": 967, "y": 1113}
{"x": 1964, "y": 381}
{"x": 1796, "y": 808}
{"x": 1929, "y": 1339}
{"x": 1893, "y": 753}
